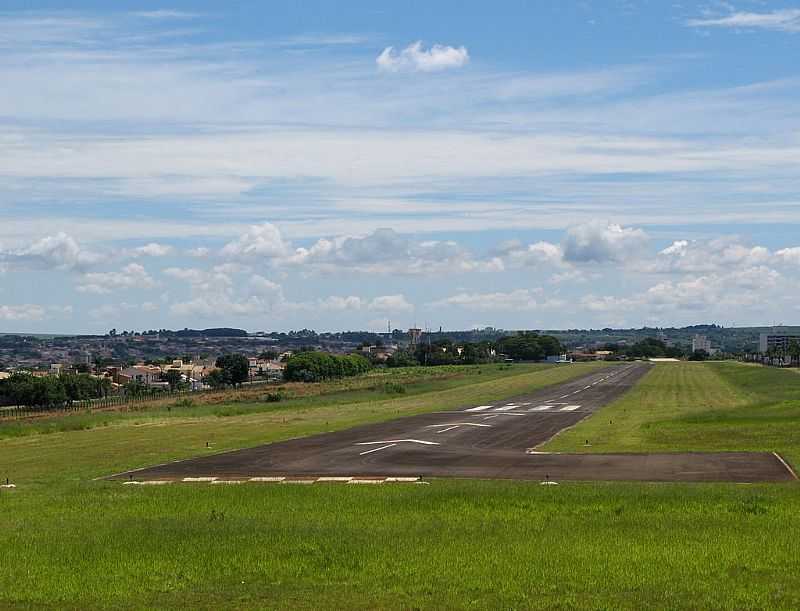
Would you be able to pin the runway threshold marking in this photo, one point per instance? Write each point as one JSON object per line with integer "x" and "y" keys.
{"x": 480, "y": 408}
{"x": 569, "y": 408}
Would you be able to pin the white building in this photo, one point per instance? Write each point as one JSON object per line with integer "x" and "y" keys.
{"x": 701, "y": 342}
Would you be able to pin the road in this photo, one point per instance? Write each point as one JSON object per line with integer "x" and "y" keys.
{"x": 492, "y": 441}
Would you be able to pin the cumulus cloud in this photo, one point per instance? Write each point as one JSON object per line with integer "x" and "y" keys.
{"x": 152, "y": 249}
{"x": 789, "y": 255}
{"x": 713, "y": 292}
{"x": 414, "y": 58}
{"x": 597, "y": 242}
{"x": 538, "y": 254}
{"x": 258, "y": 242}
{"x": 132, "y": 276}
{"x": 702, "y": 256}
{"x": 59, "y": 251}
{"x": 786, "y": 20}
{"x": 390, "y": 303}
{"x": 384, "y": 251}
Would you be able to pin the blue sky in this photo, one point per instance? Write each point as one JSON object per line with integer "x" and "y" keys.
{"x": 341, "y": 165}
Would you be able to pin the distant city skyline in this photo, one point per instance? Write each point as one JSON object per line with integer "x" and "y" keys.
{"x": 336, "y": 166}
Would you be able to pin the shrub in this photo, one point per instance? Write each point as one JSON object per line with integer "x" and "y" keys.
{"x": 316, "y": 366}
{"x": 393, "y": 388}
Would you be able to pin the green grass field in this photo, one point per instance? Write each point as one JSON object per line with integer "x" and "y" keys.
{"x": 69, "y": 542}
{"x": 697, "y": 406}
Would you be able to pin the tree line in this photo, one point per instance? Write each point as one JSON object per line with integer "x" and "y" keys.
{"x": 52, "y": 391}
{"x": 526, "y": 346}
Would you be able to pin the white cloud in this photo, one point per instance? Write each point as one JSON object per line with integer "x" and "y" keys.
{"x": 717, "y": 293}
{"x": 789, "y": 255}
{"x": 520, "y": 299}
{"x": 383, "y": 303}
{"x": 132, "y": 276}
{"x": 22, "y": 312}
{"x": 59, "y": 251}
{"x": 702, "y": 256}
{"x": 385, "y": 251}
{"x": 538, "y": 254}
{"x": 258, "y": 242}
{"x": 391, "y": 303}
{"x": 201, "y": 252}
{"x": 152, "y": 249}
{"x": 597, "y": 242}
{"x": 416, "y": 59}
{"x": 786, "y": 20}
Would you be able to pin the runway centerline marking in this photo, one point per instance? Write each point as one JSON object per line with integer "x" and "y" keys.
{"x": 506, "y": 408}
{"x": 391, "y": 445}
{"x": 449, "y": 428}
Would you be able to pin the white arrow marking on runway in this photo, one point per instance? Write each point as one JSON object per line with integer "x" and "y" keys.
{"x": 391, "y": 445}
{"x": 372, "y": 443}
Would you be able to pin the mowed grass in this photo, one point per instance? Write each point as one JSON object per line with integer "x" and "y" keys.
{"x": 72, "y": 543}
{"x": 721, "y": 406}
{"x": 449, "y": 545}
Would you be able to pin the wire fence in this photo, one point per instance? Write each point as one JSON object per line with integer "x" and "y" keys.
{"x": 132, "y": 402}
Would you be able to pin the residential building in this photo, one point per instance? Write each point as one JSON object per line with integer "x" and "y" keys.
{"x": 146, "y": 374}
{"x": 701, "y": 342}
{"x": 776, "y": 341}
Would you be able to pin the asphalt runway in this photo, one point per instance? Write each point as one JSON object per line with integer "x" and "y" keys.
{"x": 492, "y": 441}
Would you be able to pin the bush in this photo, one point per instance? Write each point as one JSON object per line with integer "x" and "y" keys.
{"x": 316, "y": 366}
{"x": 185, "y": 402}
{"x": 274, "y": 397}
{"x": 393, "y": 388}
